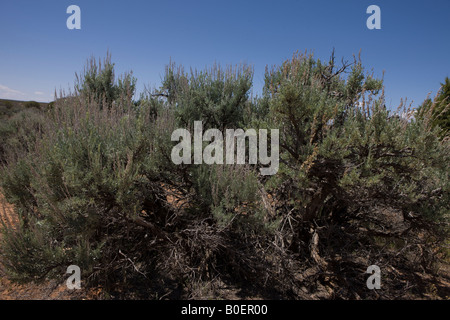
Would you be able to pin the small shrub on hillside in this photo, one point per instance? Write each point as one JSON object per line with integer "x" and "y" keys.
{"x": 437, "y": 111}
{"x": 32, "y": 104}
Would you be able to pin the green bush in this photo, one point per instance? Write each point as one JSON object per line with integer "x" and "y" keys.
{"x": 95, "y": 191}
{"x": 352, "y": 172}
{"x": 334, "y": 138}
{"x": 95, "y": 186}
{"x": 19, "y": 131}
{"x": 217, "y": 96}
{"x": 437, "y": 111}
{"x": 97, "y": 82}
{"x": 8, "y": 104}
{"x": 32, "y": 104}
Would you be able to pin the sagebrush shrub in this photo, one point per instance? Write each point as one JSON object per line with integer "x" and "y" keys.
{"x": 94, "y": 185}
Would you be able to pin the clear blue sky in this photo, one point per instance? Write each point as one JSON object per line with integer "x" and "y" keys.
{"x": 38, "y": 53}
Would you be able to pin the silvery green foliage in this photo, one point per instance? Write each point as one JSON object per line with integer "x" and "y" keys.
{"x": 98, "y": 189}
{"x": 98, "y": 82}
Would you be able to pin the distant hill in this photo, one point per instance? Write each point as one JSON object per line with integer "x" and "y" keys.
{"x": 10, "y": 107}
